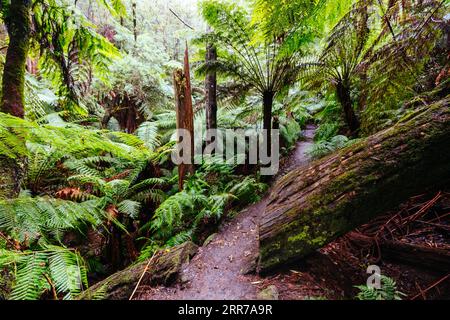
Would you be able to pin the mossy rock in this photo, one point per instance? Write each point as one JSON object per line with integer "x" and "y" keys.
{"x": 163, "y": 269}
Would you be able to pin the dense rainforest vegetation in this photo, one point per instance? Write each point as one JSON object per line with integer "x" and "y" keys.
{"x": 88, "y": 116}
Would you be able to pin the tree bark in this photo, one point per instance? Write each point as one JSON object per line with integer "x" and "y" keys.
{"x": 343, "y": 95}
{"x": 12, "y": 172}
{"x": 267, "y": 121}
{"x": 12, "y": 102}
{"x": 185, "y": 115}
{"x": 314, "y": 205}
{"x": 211, "y": 91}
{"x": 428, "y": 258}
{"x": 18, "y": 26}
{"x": 135, "y": 33}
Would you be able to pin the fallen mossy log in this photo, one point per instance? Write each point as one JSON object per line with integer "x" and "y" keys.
{"x": 314, "y": 205}
{"x": 162, "y": 269}
{"x": 428, "y": 258}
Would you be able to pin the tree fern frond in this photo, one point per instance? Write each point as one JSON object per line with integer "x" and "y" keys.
{"x": 30, "y": 282}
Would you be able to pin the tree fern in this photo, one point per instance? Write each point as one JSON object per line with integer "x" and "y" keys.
{"x": 45, "y": 219}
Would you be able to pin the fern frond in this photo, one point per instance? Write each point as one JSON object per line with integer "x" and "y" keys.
{"x": 30, "y": 282}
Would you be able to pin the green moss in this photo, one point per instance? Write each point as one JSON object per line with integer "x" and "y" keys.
{"x": 301, "y": 236}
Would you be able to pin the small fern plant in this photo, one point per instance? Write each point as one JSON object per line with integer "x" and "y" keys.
{"x": 388, "y": 291}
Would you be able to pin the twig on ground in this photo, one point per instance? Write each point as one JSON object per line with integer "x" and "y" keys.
{"x": 142, "y": 276}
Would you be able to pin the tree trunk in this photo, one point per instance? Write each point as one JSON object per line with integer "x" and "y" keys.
{"x": 343, "y": 95}
{"x": 18, "y": 26}
{"x": 211, "y": 91}
{"x": 135, "y": 33}
{"x": 12, "y": 102}
{"x": 314, "y": 205}
{"x": 12, "y": 172}
{"x": 428, "y": 258}
{"x": 185, "y": 115}
{"x": 267, "y": 121}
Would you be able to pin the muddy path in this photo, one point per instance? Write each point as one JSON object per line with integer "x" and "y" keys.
{"x": 220, "y": 270}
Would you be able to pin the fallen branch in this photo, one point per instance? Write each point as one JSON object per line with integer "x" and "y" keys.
{"x": 422, "y": 292}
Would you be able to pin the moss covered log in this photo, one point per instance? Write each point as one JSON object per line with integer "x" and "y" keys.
{"x": 12, "y": 172}
{"x": 314, "y": 205}
{"x": 163, "y": 269}
{"x": 19, "y": 26}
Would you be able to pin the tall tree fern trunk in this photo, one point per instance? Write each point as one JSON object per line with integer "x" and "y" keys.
{"x": 12, "y": 101}
{"x": 343, "y": 95}
{"x": 18, "y": 26}
{"x": 267, "y": 121}
{"x": 211, "y": 92}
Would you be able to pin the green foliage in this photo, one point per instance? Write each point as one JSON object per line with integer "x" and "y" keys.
{"x": 375, "y": 54}
{"x": 35, "y": 224}
{"x": 388, "y": 291}
{"x": 72, "y": 139}
{"x": 265, "y": 64}
{"x": 37, "y": 221}
{"x": 327, "y": 131}
{"x": 53, "y": 270}
{"x": 71, "y": 50}
{"x": 325, "y": 147}
{"x": 139, "y": 76}
{"x": 205, "y": 199}
{"x": 35, "y": 254}
{"x": 290, "y": 131}
{"x": 94, "y": 71}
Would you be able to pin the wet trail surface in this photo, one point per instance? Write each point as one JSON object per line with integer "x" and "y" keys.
{"x": 219, "y": 271}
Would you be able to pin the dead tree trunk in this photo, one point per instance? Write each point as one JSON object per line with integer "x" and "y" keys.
{"x": 211, "y": 91}
{"x": 314, "y": 205}
{"x": 418, "y": 256}
{"x": 185, "y": 117}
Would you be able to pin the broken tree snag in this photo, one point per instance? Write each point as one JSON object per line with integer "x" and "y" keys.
{"x": 185, "y": 120}
{"x": 314, "y": 205}
{"x": 163, "y": 269}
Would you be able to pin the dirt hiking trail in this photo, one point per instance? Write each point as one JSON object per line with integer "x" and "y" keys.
{"x": 221, "y": 269}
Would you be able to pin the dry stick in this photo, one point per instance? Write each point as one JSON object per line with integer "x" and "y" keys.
{"x": 142, "y": 276}
{"x": 55, "y": 295}
{"x": 181, "y": 20}
{"x": 431, "y": 287}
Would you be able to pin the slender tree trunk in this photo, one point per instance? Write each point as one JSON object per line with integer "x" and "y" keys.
{"x": 314, "y": 205}
{"x": 18, "y": 26}
{"x": 12, "y": 101}
{"x": 211, "y": 91}
{"x": 343, "y": 95}
{"x": 267, "y": 121}
{"x": 135, "y": 33}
